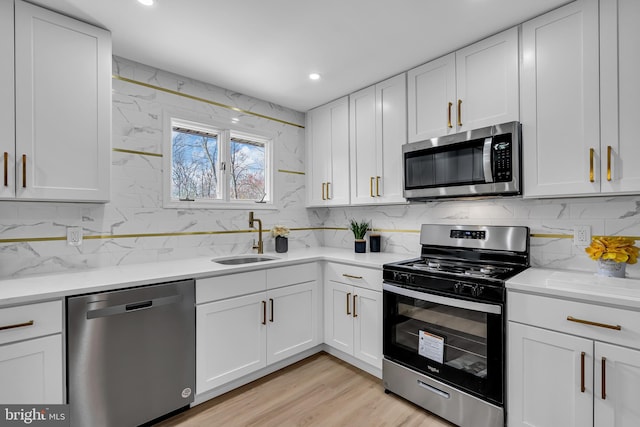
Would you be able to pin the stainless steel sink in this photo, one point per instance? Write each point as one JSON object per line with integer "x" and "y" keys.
{"x": 244, "y": 259}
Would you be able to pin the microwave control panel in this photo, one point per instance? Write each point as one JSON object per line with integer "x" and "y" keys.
{"x": 502, "y": 170}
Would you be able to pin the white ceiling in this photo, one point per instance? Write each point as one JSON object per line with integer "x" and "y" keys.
{"x": 266, "y": 49}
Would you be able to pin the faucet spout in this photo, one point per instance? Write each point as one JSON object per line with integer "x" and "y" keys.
{"x": 260, "y": 245}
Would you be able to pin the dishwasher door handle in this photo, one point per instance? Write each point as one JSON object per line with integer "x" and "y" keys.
{"x": 132, "y": 307}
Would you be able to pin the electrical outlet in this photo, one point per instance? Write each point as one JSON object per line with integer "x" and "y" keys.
{"x": 582, "y": 235}
{"x": 74, "y": 236}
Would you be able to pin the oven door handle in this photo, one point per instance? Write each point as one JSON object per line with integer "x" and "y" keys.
{"x": 453, "y": 302}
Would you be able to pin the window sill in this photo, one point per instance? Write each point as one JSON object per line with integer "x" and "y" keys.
{"x": 253, "y": 206}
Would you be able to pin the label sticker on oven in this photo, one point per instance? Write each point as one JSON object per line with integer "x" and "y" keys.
{"x": 431, "y": 346}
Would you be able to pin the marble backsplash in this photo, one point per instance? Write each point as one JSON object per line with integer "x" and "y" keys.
{"x": 135, "y": 209}
{"x": 120, "y": 232}
{"x": 551, "y": 223}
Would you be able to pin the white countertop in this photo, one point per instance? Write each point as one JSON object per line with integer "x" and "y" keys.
{"x": 576, "y": 285}
{"x": 51, "y": 286}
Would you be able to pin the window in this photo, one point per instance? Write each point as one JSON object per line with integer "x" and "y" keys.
{"x": 211, "y": 166}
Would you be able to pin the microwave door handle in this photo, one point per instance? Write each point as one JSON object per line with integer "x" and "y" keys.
{"x": 487, "y": 160}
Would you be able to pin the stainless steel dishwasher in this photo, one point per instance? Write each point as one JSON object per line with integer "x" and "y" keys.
{"x": 131, "y": 354}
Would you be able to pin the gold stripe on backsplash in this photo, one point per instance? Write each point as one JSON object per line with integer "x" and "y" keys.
{"x": 220, "y": 232}
{"x": 142, "y": 153}
{"x": 206, "y": 101}
{"x": 292, "y": 172}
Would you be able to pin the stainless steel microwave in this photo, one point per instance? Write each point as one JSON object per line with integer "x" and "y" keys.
{"x": 477, "y": 163}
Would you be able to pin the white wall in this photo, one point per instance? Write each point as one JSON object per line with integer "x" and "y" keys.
{"x": 136, "y": 205}
{"x": 136, "y": 194}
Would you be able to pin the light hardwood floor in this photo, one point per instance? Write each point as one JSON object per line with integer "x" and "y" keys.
{"x": 318, "y": 391}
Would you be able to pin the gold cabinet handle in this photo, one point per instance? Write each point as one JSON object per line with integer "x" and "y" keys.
{"x": 328, "y": 194}
{"x": 348, "y": 298}
{"x": 589, "y": 322}
{"x": 354, "y": 305}
{"x": 6, "y": 169}
{"x": 377, "y": 186}
{"x": 591, "y": 154}
{"x": 17, "y": 325}
{"x": 264, "y": 312}
{"x": 371, "y": 186}
{"x": 604, "y": 378}
{"x": 323, "y": 188}
{"x": 459, "y": 112}
{"x": 271, "y": 306}
{"x": 449, "y": 125}
{"x": 24, "y": 171}
{"x": 351, "y": 276}
{"x": 608, "y": 163}
{"x": 582, "y": 388}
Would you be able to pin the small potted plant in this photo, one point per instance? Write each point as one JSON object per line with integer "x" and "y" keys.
{"x": 613, "y": 254}
{"x": 359, "y": 229}
{"x": 281, "y": 233}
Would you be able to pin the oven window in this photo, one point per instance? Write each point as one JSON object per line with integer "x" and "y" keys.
{"x": 457, "y": 335}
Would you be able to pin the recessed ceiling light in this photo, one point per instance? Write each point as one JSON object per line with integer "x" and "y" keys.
{"x": 314, "y": 76}
{"x": 146, "y": 2}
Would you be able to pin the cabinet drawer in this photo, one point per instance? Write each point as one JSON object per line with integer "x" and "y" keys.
{"x": 29, "y": 321}
{"x": 230, "y": 285}
{"x": 290, "y": 275}
{"x": 363, "y": 277}
{"x": 552, "y": 313}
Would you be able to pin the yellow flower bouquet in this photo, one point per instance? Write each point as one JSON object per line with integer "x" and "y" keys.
{"x": 618, "y": 249}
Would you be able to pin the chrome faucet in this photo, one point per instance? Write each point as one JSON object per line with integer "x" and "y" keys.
{"x": 260, "y": 245}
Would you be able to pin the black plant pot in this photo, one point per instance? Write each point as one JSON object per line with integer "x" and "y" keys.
{"x": 282, "y": 244}
{"x": 360, "y": 246}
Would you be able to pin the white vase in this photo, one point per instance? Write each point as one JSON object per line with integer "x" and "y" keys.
{"x": 610, "y": 268}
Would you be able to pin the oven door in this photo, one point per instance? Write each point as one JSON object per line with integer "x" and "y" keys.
{"x": 457, "y": 341}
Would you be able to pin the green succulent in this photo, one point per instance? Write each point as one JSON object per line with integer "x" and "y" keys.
{"x": 359, "y": 229}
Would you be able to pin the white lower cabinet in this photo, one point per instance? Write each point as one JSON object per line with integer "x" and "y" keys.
{"x": 239, "y": 335}
{"x": 31, "y": 364}
{"x": 353, "y": 321}
{"x": 560, "y": 370}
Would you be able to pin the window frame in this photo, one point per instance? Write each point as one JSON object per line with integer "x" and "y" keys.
{"x": 225, "y": 131}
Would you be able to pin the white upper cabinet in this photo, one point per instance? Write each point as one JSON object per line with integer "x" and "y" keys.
{"x": 7, "y": 120}
{"x": 619, "y": 94}
{"x": 62, "y": 144}
{"x": 474, "y": 87}
{"x": 431, "y": 96}
{"x": 579, "y": 91}
{"x": 378, "y": 129}
{"x": 328, "y": 154}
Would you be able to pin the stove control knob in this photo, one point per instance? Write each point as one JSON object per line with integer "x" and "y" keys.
{"x": 457, "y": 288}
{"x": 476, "y": 290}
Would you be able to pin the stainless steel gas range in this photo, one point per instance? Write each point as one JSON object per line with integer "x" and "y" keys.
{"x": 444, "y": 321}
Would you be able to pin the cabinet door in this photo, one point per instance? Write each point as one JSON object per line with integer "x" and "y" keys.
{"x": 431, "y": 95}
{"x": 7, "y": 123}
{"x": 338, "y": 187}
{"x": 230, "y": 340}
{"x": 616, "y": 393}
{"x": 338, "y": 327}
{"x": 560, "y": 112}
{"x": 328, "y": 154}
{"x": 367, "y": 326}
{"x": 545, "y": 371}
{"x": 318, "y": 126}
{"x": 63, "y": 107}
{"x": 619, "y": 94}
{"x": 391, "y": 135}
{"x": 364, "y": 152}
{"x": 487, "y": 82}
{"x": 292, "y": 320}
{"x": 31, "y": 371}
